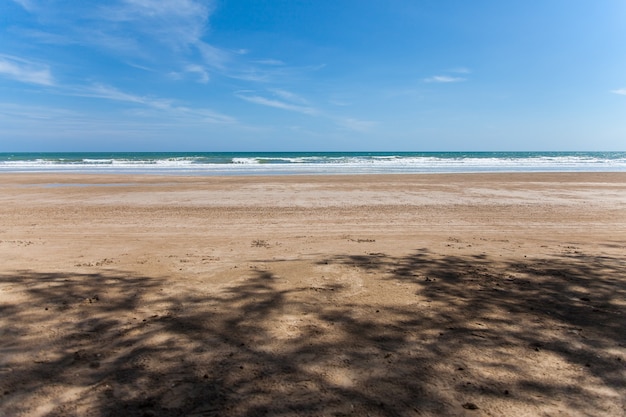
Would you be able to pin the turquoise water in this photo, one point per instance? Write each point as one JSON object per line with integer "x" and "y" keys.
{"x": 289, "y": 163}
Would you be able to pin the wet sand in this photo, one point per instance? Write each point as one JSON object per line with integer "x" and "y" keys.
{"x": 382, "y": 295}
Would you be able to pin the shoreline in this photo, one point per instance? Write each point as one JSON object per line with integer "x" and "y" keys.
{"x": 268, "y": 174}
{"x": 309, "y": 295}
{"x": 9, "y": 176}
{"x": 313, "y": 163}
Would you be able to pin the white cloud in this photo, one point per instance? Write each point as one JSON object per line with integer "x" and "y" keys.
{"x": 212, "y": 55}
{"x": 203, "y": 115}
{"x": 169, "y": 31}
{"x": 257, "y": 72}
{"x": 198, "y": 71}
{"x": 159, "y": 104}
{"x": 443, "y": 79}
{"x": 25, "y": 71}
{"x": 109, "y": 93}
{"x": 620, "y": 91}
{"x": 168, "y": 7}
{"x": 192, "y": 12}
{"x": 293, "y": 102}
{"x": 17, "y": 111}
{"x": 26, "y": 4}
{"x": 23, "y": 122}
{"x": 203, "y": 75}
{"x": 177, "y": 23}
{"x": 38, "y": 36}
{"x": 277, "y": 104}
{"x": 166, "y": 35}
{"x": 137, "y": 29}
{"x": 271, "y": 62}
{"x": 289, "y": 96}
{"x": 141, "y": 67}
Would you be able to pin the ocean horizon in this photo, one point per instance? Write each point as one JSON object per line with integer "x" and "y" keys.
{"x": 312, "y": 163}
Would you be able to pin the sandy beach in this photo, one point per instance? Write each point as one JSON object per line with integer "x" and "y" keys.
{"x": 380, "y": 295}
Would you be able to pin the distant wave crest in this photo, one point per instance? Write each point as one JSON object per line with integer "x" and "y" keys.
{"x": 282, "y": 163}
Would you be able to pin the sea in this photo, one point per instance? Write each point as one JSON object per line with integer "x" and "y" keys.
{"x": 310, "y": 163}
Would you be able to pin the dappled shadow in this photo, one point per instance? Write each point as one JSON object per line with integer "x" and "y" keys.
{"x": 111, "y": 344}
{"x": 477, "y": 330}
{"x": 569, "y": 306}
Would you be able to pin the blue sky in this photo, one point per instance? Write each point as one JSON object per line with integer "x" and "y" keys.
{"x": 251, "y": 75}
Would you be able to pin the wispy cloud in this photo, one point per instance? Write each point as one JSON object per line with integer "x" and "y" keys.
{"x": 213, "y": 56}
{"x": 274, "y": 71}
{"x": 290, "y": 101}
{"x": 17, "y": 111}
{"x": 112, "y": 93}
{"x": 179, "y": 25}
{"x": 23, "y": 122}
{"x": 26, "y": 4}
{"x": 272, "y": 62}
{"x": 25, "y": 71}
{"x": 166, "y": 35}
{"x": 277, "y": 103}
{"x": 160, "y": 104}
{"x": 168, "y": 8}
{"x": 43, "y": 37}
{"x": 289, "y": 96}
{"x": 447, "y": 78}
{"x": 168, "y": 38}
{"x": 153, "y": 30}
{"x": 177, "y": 22}
{"x": 200, "y": 71}
{"x": 620, "y": 91}
{"x": 443, "y": 79}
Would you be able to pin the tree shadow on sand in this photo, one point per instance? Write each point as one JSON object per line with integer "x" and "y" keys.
{"x": 479, "y": 335}
{"x": 567, "y": 309}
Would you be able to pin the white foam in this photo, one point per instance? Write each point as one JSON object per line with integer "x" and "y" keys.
{"x": 315, "y": 164}
{"x": 243, "y": 161}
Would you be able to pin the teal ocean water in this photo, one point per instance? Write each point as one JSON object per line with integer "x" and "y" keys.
{"x": 291, "y": 163}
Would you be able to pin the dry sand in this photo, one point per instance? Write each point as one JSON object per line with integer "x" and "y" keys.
{"x": 395, "y": 295}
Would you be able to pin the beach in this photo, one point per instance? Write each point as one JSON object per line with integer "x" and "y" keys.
{"x": 322, "y": 295}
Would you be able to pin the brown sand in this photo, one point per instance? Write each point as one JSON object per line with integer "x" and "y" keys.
{"x": 396, "y": 295}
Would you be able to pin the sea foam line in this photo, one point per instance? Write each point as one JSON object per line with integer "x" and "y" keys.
{"x": 316, "y": 164}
